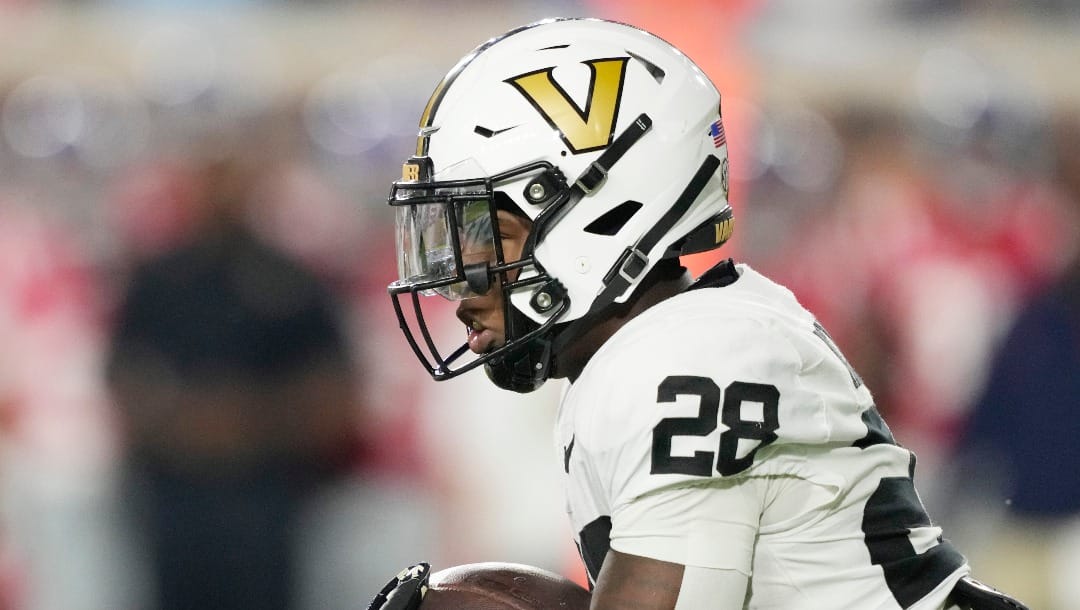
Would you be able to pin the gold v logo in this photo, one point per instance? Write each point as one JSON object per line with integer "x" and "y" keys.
{"x": 582, "y": 130}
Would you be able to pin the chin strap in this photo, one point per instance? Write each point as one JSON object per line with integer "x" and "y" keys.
{"x": 526, "y": 369}
{"x": 597, "y": 172}
{"x": 634, "y": 259}
{"x": 590, "y": 180}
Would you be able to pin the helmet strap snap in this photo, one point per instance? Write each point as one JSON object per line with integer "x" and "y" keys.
{"x": 547, "y": 296}
{"x": 545, "y": 187}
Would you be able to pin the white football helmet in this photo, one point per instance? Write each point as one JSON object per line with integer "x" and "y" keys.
{"x": 606, "y": 137}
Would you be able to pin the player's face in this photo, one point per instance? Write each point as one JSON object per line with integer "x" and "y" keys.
{"x": 483, "y": 315}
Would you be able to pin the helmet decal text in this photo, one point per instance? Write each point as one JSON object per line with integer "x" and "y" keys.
{"x": 724, "y": 229}
{"x": 582, "y": 130}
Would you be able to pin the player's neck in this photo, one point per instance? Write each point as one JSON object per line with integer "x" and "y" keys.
{"x": 571, "y": 361}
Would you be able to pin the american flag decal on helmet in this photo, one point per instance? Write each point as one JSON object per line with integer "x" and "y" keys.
{"x": 716, "y": 130}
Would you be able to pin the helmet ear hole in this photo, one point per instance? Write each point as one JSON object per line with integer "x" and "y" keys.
{"x": 612, "y": 221}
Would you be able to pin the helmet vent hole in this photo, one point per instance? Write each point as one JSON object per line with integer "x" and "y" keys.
{"x": 554, "y": 47}
{"x": 612, "y": 221}
{"x": 490, "y": 133}
{"x": 654, "y": 70}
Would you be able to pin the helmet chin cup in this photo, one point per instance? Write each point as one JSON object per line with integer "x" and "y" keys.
{"x": 525, "y": 369}
{"x": 522, "y": 372}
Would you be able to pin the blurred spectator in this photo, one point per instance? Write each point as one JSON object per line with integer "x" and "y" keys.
{"x": 1022, "y": 509}
{"x": 936, "y": 256}
{"x": 236, "y": 388}
{"x": 56, "y": 436}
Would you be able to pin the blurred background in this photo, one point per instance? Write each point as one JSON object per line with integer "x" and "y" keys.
{"x": 204, "y": 398}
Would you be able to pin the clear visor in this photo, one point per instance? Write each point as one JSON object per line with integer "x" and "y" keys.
{"x": 441, "y": 237}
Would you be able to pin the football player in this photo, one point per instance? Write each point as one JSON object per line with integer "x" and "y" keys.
{"x": 719, "y": 451}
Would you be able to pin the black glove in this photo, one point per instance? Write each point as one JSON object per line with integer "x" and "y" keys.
{"x": 405, "y": 591}
{"x": 971, "y": 594}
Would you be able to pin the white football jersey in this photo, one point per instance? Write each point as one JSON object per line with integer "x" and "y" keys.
{"x": 723, "y": 429}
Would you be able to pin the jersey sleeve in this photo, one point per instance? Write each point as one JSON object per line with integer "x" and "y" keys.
{"x": 686, "y": 525}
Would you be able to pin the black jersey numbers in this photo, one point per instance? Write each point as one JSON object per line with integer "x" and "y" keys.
{"x": 750, "y": 413}
{"x": 764, "y": 430}
{"x": 700, "y": 464}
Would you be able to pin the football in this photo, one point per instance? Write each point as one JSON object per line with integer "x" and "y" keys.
{"x": 502, "y": 586}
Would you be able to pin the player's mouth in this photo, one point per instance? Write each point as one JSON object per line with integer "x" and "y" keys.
{"x": 480, "y": 338}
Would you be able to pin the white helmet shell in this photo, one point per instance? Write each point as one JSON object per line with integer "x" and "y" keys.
{"x": 562, "y": 91}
